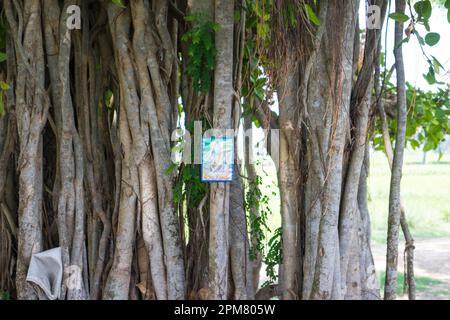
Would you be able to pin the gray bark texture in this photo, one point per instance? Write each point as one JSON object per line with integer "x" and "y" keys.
{"x": 397, "y": 164}
{"x": 220, "y": 192}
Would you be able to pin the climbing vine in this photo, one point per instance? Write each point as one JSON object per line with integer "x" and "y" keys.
{"x": 202, "y": 51}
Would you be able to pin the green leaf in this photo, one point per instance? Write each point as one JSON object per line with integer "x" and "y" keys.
{"x": 430, "y": 76}
{"x": 420, "y": 39}
{"x": 447, "y": 5}
{"x": 311, "y": 15}
{"x": 405, "y": 40}
{"x": 436, "y": 64}
{"x": 171, "y": 168}
{"x": 399, "y": 17}
{"x": 119, "y": 3}
{"x": 215, "y": 27}
{"x": 4, "y": 86}
{"x": 428, "y": 147}
{"x": 432, "y": 38}
{"x": 414, "y": 144}
{"x": 423, "y": 9}
{"x": 3, "y": 56}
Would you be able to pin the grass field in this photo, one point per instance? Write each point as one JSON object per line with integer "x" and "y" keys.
{"x": 423, "y": 284}
{"x": 425, "y": 194}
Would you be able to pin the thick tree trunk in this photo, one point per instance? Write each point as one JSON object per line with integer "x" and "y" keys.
{"x": 328, "y": 139}
{"x": 220, "y": 192}
{"x": 289, "y": 179}
{"x": 32, "y": 106}
{"x": 350, "y": 219}
{"x": 118, "y": 284}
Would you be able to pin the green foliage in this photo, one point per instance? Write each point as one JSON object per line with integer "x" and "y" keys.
{"x": 311, "y": 15}
{"x": 428, "y": 117}
{"x": 189, "y": 187}
{"x": 420, "y": 14}
{"x": 432, "y": 38}
{"x": 108, "y": 98}
{"x": 202, "y": 51}
{"x": 269, "y": 248}
{"x": 423, "y": 9}
{"x": 427, "y": 122}
{"x": 447, "y": 5}
{"x": 4, "y": 295}
{"x": 119, "y": 3}
{"x": 254, "y": 199}
{"x": 3, "y": 87}
{"x": 258, "y": 18}
{"x": 399, "y": 17}
{"x": 274, "y": 256}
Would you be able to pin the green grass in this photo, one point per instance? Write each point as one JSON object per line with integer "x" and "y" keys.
{"x": 423, "y": 284}
{"x": 425, "y": 192}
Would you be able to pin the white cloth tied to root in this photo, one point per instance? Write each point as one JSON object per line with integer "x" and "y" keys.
{"x": 46, "y": 271}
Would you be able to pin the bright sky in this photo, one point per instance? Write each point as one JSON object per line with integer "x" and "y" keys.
{"x": 415, "y": 63}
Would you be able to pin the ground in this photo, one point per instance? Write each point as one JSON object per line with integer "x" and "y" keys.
{"x": 426, "y": 195}
{"x": 432, "y": 268}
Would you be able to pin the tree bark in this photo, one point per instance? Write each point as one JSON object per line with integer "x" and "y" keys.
{"x": 220, "y": 192}
{"x": 32, "y": 106}
{"x": 394, "y": 194}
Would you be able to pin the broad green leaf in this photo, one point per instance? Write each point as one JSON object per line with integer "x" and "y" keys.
{"x": 414, "y": 144}
{"x": 428, "y": 147}
{"x": 430, "y": 76}
{"x": 399, "y": 17}
{"x": 311, "y": 15}
{"x": 432, "y": 38}
{"x": 423, "y": 9}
